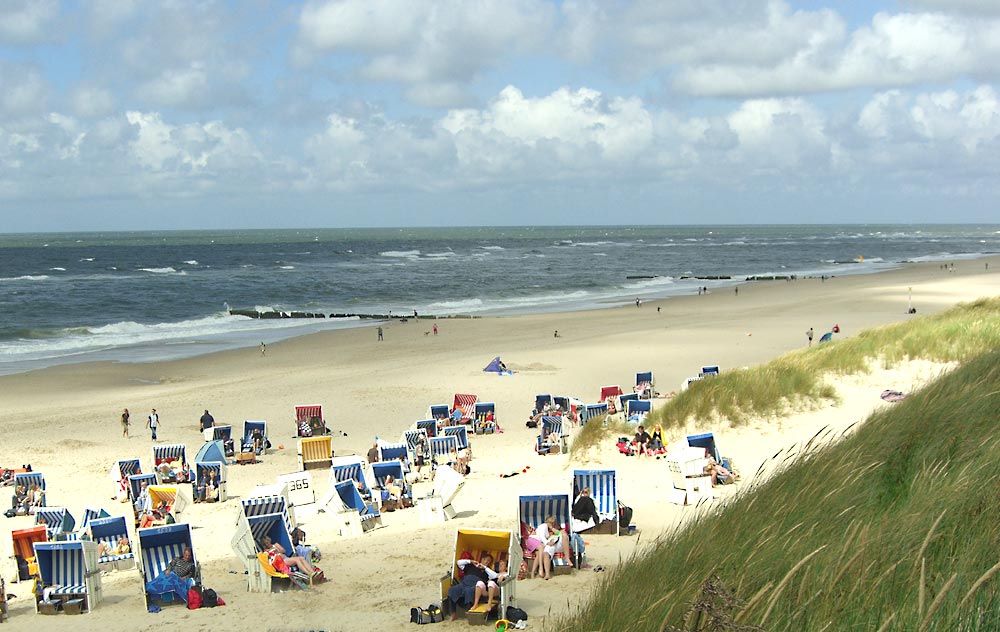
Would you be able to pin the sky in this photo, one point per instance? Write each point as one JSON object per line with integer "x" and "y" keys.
{"x": 130, "y": 115}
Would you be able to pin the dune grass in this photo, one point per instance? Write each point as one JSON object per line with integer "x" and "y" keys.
{"x": 795, "y": 380}
{"x": 894, "y": 527}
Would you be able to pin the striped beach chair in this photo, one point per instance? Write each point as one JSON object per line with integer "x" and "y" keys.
{"x": 261, "y": 575}
{"x": 69, "y": 570}
{"x": 467, "y": 404}
{"x": 604, "y": 490}
{"x": 439, "y": 412}
{"x": 429, "y": 426}
{"x": 623, "y": 401}
{"x": 593, "y": 411}
{"x": 169, "y": 453}
{"x": 609, "y": 396}
{"x": 390, "y": 468}
{"x": 120, "y": 473}
{"x": 502, "y": 545}
{"x": 109, "y": 530}
{"x": 89, "y": 515}
{"x": 315, "y": 452}
{"x": 201, "y": 474}
{"x": 636, "y": 410}
{"x": 58, "y": 521}
{"x": 532, "y": 511}
{"x": 461, "y": 433}
{"x": 248, "y": 429}
{"x": 550, "y": 426}
{"x": 135, "y": 484}
{"x": 644, "y": 384}
{"x": 177, "y": 497}
{"x": 27, "y": 479}
{"x": 222, "y": 433}
{"x": 441, "y": 448}
{"x": 357, "y": 513}
{"x": 412, "y": 437}
{"x": 311, "y": 417}
{"x": 158, "y": 546}
{"x": 22, "y": 543}
{"x": 399, "y": 452}
{"x": 483, "y": 410}
{"x": 350, "y": 468}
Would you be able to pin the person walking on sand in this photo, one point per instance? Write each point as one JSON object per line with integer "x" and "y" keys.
{"x": 263, "y": 348}
{"x": 435, "y": 329}
{"x": 153, "y": 422}
{"x": 380, "y": 333}
{"x": 125, "y": 423}
{"x": 809, "y": 336}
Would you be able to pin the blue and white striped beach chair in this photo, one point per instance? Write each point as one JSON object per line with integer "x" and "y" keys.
{"x": 58, "y": 521}
{"x": 109, "y": 530}
{"x": 248, "y": 429}
{"x": 542, "y": 400}
{"x": 533, "y": 510}
{"x": 222, "y": 433}
{"x": 135, "y": 484}
{"x": 550, "y": 427}
{"x": 27, "y": 479}
{"x": 158, "y": 546}
{"x": 636, "y": 410}
{"x": 89, "y": 515}
{"x": 412, "y": 437}
{"x": 201, "y": 474}
{"x": 169, "y": 453}
{"x": 440, "y": 413}
{"x": 366, "y": 512}
{"x": 266, "y": 505}
{"x": 644, "y": 384}
{"x": 604, "y": 490}
{"x": 350, "y": 468}
{"x": 593, "y": 411}
{"x": 429, "y": 426}
{"x": 441, "y": 448}
{"x": 483, "y": 410}
{"x": 461, "y": 433}
{"x": 120, "y": 472}
{"x": 710, "y": 370}
{"x": 624, "y": 399}
{"x": 395, "y": 452}
{"x": 70, "y": 570}
{"x": 390, "y": 468}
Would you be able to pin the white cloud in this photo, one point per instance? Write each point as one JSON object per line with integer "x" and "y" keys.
{"x": 91, "y": 101}
{"x": 28, "y": 22}
{"x": 24, "y": 91}
{"x": 433, "y": 49}
{"x": 193, "y": 147}
{"x": 177, "y": 87}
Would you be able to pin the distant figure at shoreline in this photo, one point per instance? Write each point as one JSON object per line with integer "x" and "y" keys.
{"x": 263, "y": 348}
{"x": 125, "y": 423}
{"x": 435, "y": 329}
{"x": 809, "y": 336}
{"x": 556, "y": 334}
{"x": 380, "y": 333}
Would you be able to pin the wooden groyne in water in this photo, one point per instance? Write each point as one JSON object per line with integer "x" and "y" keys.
{"x": 277, "y": 315}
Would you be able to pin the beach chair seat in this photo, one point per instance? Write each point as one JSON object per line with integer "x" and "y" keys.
{"x": 461, "y": 433}
{"x": 466, "y": 403}
{"x": 22, "y": 543}
{"x": 158, "y": 546}
{"x": 174, "y": 456}
{"x": 485, "y": 418}
{"x": 357, "y": 515}
{"x": 550, "y": 439}
{"x": 395, "y": 452}
{"x": 604, "y": 491}
{"x": 534, "y": 509}
{"x": 644, "y": 384}
{"x": 27, "y": 479}
{"x": 636, "y": 410}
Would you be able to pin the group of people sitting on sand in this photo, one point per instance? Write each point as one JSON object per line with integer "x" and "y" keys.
{"x": 172, "y": 471}
{"x": 548, "y": 410}
{"x": 479, "y": 579}
{"x": 643, "y": 443}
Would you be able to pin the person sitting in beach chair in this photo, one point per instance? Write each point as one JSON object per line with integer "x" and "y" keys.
{"x": 279, "y": 559}
{"x": 546, "y": 540}
{"x": 478, "y": 580}
{"x": 720, "y": 475}
{"x": 208, "y": 489}
{"x": 121, "y": 547}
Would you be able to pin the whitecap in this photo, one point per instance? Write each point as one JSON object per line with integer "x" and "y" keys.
{"x": 87, "y": 259}
{"x": 192, "y": 262}
{"x": 286, "y": 267}
{"x": 27, "y": 277}
{"x": 167, "y": 270}
{"x": 58, "y": 269}
{"x": 400, "y": 253}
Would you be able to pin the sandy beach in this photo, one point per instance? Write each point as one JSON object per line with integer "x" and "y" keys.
{"x": 65, "y": 422}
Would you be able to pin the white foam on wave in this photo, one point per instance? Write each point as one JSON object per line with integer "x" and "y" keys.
{"x": 648, "y": 284}
{"x": 286, "y": 267}
{"x": 87, "y": 259}
{"x": 492, "y": 247}
{"x": 118, "y": 337}
{"x": 167, "y": 270}
{"x": 406, "y": 254}
{"x": 58, "y": 269}
{"x": 192, "y": 262}
{"x": 440, "y": 255}
{"x": 591, "y": 244}
{"x": 27, "y": 277}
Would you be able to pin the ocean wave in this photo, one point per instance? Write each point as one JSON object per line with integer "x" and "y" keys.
{"x": 493, "y": 248}
{"x": 648, "y": 284}
{"x": 166, "y": 270}
{"x": 58, "y": 269}
{"x": 87, "y": 259}
{"x": 26, "y": 277}
{"x": 440, "y": 255}
{"x": 192, "y": 262}
{"x": 591, "y": 244}
{"x": 286, "y": 267}
{"x": 408, "y": 254}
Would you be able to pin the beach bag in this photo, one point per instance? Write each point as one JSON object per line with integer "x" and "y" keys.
{"x": 209, "y": 598}
{"x": 419, "y": 615}
{"x": 194, "y": 600}
{"x": 624, "y": 518}
{"x": 435, "y": 612}
{"x": 515, "y": 614}
{"x": 10, "y": 513}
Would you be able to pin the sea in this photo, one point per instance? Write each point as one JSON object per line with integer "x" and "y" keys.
{"x": 150, "y": 296}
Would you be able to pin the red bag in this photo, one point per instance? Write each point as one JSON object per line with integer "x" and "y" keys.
{"x": 194, "y": 599}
